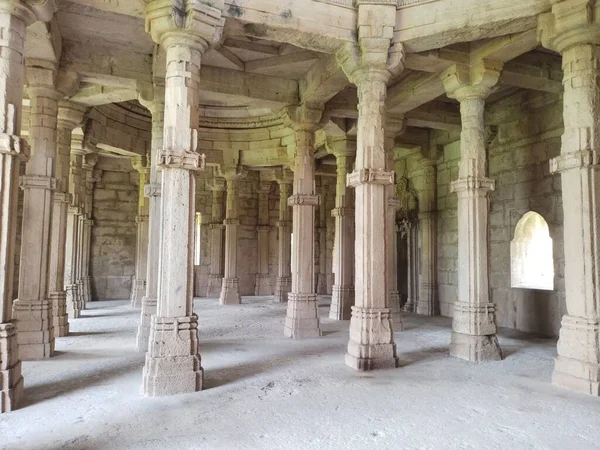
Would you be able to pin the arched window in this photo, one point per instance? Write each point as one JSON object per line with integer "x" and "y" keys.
{"x": 532, "y": 263}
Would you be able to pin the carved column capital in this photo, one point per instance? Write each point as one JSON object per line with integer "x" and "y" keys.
{"x": 304, "y": 117}
{"x": 463, "y": 81}
{"x": 216, "y": 185}
{"x": 70, "y": 114}
{"x": 570, "y": 23}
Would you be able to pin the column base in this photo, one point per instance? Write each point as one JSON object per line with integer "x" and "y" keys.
{"x": 427, "y": 304}
{"x": 172, "y": 362}
{"x": 149, "y": 307}
{"x": 302, "y": 317}
{"x": 36, "y": 329}
{"x": 59, "y": 313}
{"x": 263, "y": 285}
{"x": 394, "y": 299}
{"x": 342, "y": 300}
{"x": 80, "y": 296}
{"x": 409, "y": 306}
{"x": 283, "y": 286}
{"x": 215, "y": 284}
{"x": 73, "y": 309}
{"x": 230, "y": 292}
{"x": 476, "y": 348}
{"x": 138, "y": 290}
{"x": 11, "y": 380}
{"x": 371, "y": 344}
{"x": 577, "y": 366}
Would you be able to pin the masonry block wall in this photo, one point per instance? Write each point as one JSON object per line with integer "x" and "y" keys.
{"x": 114, "y": 232}
{"x": 524, "y": 132}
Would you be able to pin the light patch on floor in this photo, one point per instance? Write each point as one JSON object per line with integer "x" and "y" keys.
{"x": 263, "y": 391}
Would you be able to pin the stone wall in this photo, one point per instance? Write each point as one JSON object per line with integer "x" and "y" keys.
{"x": 524, "y": 132}
{"x": 114, "y": 233}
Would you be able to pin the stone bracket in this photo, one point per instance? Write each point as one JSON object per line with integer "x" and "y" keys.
{"x": 472, "y": 184}
{"x": 152, "y": 190}
{"x": 62, "y": 197}
{"x": 575, "y": 160}
{"x": 14, "y": 146}
{"x": 231, "y": 222}
{"x": 342, "y": 212}
{"x": 304, "y": 200}
{"x": 370, "y": 176}
{"x": 216, "y": 226}
{"x": 38, "y": 182}
{"x": 182, "y": 160}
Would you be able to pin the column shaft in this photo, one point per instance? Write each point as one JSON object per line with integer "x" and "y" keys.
{"x": 283, "y": 284}
{"x": 342, "y": 298}
{"x": 391, "y": 245}
{"x": 263, "y": 281}
{"x": 230, "y": 292}
{"x": 215, "y": 276}
{"x": 322, "y": 240}
{"x": 138, "y": 288}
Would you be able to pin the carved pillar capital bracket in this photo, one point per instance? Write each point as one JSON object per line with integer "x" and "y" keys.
{"x": 473, "y": 184}
{"x": 182, "y": 159}
{"x": 283, "y": 224}
{"x": 575, "y": 160}
{"x": 70, "y": 114}
{"x": 152, "y": 190}
{"x": 463, "y": 81}
{"x": 304, "y": 200}
{"x": 38, "y": 182}
{"x": 570, "y": 23}
{"x": 231, "y": 222}
{"x": 370, "y": 176}
{"x": 342, "y": 212}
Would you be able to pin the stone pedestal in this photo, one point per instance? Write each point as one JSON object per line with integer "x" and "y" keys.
{"x": 33, "y": 309}
{"x": 230, "y": 292}
{"x": 302, "y": 318}
{"x": 474, "y": 319}
{"x": 138, "y": 288}
{"x": 173, "y": 362}
{"x": 263, "y": 281}
{"x": 573, "y": 30}
{"x": 283, "y": 283}
{"x": 215, "y": 276}
{"x": 342, "y": 298}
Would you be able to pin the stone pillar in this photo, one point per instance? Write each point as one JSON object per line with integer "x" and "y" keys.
{"x": 412, "y": 236}
{"x": 474, "y": 320}
{"x": 155, "y": 104}
{"x": 302, "y": 319}
{"x": 573, "y": 30}
{"x": 173, "y": 360}
{"x": 342, "y": 298}
{"x": 393, "y": 128}
{"x": 215, "y": 275}
{"x": 371, "y": 344}
{"x": 263, "y": 281}
{"x": 230, "y": 291}
{"x": 33, "y": 308}
{"x": 72, "y": 239}
{"x": 322, "y": 241}
{"x": 14, "y": 18}
{"x": 70, "y": 116}
{"x": 86, "y": 223}
{"x": 138, "y": 289}
{"x": 428, "y": 302}
{"x": 283, "y": 284}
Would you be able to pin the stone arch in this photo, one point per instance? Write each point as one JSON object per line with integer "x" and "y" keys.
{"x": 531, "y": 254}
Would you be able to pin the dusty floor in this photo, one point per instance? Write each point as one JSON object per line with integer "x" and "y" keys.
{"x": 263, "y": 391}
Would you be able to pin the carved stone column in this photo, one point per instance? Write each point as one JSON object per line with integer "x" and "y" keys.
{"x": 371, "y": 344}
{"x": 155, "y": 102}
{"x": 73, "y": 232}
{"x": 173, "y": 361}
{"x": 138, "y": 289}
{"x": 393, "y": 128}
{"x": 230, "y": 291}
{"x": 573, "y": 30}
{"x": 33, "y": 309}
{"x": 323, "y": 274}
{"x": 86, "y": 223}
{"x": 283, "y": 284}
{"x": 474, "y": 320}
{"x": 342, "y": 298}
{"x": 215, "y": 275}
{"x": 14, "y": 18}
{"x": 263, "y": 281}
{"x": 428, "y": 302}
{"x": 302, "y": 319}
{"x": 412, "y": 236}
{"x": 70, "y": 116}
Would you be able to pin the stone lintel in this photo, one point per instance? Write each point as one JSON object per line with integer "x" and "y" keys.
{"x": 370, "y": 176}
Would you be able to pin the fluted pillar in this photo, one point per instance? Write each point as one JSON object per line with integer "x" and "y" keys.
{"x": 302, "y": 318}
{"x": 173, "y": 360}
{"x": 428, "y": 304}
{"x": 215, "y": 275}
{"x": 70, "y": 116}
{"x": 138, "y": 288}
{"x": 263, "y": 281}
{"x": 230, "y": 290}
{"x": 283, "y": 284}
{"x": 14, "y": 18}
{"x": 573, "y": 30}
{"x": 371, "y": 344}
{"x": 33, "y": 308}
{"x": 342, "y": 298}
{"x": 155, "y": 102}
{"x": 474, "y": 319}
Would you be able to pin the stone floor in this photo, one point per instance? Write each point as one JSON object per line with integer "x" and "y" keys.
{"x": 266, "y": 392}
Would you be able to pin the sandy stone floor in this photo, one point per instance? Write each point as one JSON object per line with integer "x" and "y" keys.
{"x": 263, "y": 391}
